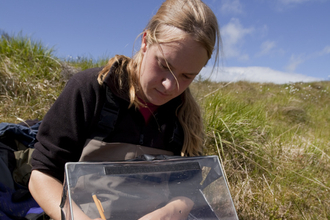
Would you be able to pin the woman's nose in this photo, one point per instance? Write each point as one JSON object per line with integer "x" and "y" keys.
{"x": 170, "y": 83}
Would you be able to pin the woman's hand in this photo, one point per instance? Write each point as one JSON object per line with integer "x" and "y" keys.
{"x": 177, "y": 209}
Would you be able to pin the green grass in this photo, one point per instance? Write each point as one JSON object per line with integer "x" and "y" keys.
{"x": 273, "y": 140}
{"x": 274, "y": 145}
{"x": 31, "y": 77}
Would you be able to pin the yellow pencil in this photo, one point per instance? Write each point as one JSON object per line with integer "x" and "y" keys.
{"x": 99, "y": 206}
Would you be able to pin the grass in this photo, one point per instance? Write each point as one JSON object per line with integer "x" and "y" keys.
{"x": 274, "y": 144}
{"x": 31, "y": 77}
{"x": 273, "y": 140}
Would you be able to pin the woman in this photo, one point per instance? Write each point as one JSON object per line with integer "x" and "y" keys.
{"x": 143, "y": 101}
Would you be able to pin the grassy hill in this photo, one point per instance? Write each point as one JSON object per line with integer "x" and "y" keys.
{"x": 274, "y": 144}
{"x": 273, "y": 140}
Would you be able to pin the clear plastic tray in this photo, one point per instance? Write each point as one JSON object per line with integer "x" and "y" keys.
{"x": 131, "y": 189}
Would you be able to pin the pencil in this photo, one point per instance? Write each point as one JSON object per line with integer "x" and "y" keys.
{"x": 99, "y": 206}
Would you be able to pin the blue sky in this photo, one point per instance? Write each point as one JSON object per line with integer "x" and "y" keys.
{"x": 276, "y": 41}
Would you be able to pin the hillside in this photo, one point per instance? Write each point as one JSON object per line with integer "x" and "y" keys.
{"x": 274, "y": 144}
{"x": 273, "y": 140}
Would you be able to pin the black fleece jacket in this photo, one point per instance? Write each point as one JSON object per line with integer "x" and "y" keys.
{"x": 74, "y": 116}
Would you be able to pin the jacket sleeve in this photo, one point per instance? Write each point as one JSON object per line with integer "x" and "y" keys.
{"x": 66, "y": 126}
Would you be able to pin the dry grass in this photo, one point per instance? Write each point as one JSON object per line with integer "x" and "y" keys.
{"x": 274, "y": 146}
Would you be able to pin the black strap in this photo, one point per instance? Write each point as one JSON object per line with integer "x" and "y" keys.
{"x": 158, "y": 168}
{"x": 177, "y": 135}
{"x": 108, "y": 117}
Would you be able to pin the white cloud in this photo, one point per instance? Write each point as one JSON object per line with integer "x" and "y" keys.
{"x": 325, "y": 51}
{"x": 288, "y": 2}
{"x": 266, "y": 47}
{"x": 233, "y": 36}
{"x": 263, "y": 30}
{"x": 231, "y": 6}
{"x": 254, "y": 74}
{"x": 285, "y": 4}
{"x": 296, "y": 60}
{"x": 234, "y": 31}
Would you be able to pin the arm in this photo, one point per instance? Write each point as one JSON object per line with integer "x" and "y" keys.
{"x": 61, "y": 137}
{"x": 177, "y": 209}
{"x": 47, "y": 191}
{"x": 67, "y": 124}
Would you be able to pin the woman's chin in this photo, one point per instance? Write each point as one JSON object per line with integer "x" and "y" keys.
{"x": 157, "y": 101}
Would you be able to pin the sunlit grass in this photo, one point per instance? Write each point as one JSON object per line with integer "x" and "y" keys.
{"x": 273, "y": 140}
{"x": 31, "y": 77}
{"x": 274, "y": 145}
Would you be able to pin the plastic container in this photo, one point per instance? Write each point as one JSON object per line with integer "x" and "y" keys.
{"x": 131, "y": 189}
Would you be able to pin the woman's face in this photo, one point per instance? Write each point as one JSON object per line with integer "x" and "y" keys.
{"x": 185, "y": 58}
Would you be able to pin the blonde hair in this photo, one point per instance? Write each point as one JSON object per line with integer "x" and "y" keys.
{"x": 197, "y": 20}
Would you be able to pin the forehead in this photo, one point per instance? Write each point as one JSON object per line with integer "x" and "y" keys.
{"x": 185, "y": 54}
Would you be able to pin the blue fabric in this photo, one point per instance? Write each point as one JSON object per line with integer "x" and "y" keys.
{"x": 35, "y": 210}
{"x": 6, "y": 177}
{"x": 9, "y": 208}
{"x": 26, "y": 135}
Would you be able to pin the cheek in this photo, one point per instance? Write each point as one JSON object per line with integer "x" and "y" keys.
{"x": 185, "y": 84}
{"x": 148, "y": 81}
{"x": 153, "y": 75}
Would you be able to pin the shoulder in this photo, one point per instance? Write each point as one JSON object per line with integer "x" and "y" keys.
{"x": 84, "y": 82}
{"x": 82, "y": 93}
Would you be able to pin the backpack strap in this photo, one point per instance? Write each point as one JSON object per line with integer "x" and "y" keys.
{"x": 108, "y": 117}
{"x": 177, "y": 137}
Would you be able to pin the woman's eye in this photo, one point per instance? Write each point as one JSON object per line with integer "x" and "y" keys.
{"x": 186, "y": 76}
{"x": 164, "y": 66}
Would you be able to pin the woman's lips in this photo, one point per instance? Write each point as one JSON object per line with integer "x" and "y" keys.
{"x": 162, "y": 93}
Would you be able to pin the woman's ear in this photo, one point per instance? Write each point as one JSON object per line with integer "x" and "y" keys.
{"x": 144, "y": 42}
